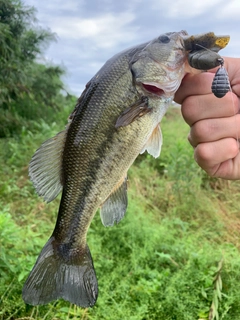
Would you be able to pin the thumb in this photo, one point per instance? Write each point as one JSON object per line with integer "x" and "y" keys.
{"x": 232, "y": 66}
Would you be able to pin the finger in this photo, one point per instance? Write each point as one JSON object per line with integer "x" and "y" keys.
{"x": 201, "y": 83}
{"x": 215, "y": 129}
{"x": 232, "y": 66}
{"x": 220, "y": 158}
{"x": 195, "y": 108}
{"x": 194, "y": 85}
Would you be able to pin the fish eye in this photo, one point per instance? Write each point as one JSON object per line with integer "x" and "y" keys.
{"x": 164, "y": 39}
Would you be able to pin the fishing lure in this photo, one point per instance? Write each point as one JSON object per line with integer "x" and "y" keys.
{"x": 221, "y": 84}
{"x": 205, "y": 59}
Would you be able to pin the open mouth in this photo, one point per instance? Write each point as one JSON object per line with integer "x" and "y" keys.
{"x": 167, "y": 90}
{"x": 153, "y": 89}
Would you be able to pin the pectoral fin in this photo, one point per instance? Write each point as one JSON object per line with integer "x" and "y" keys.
{"x": 45, "y": 168}
{"x": 135, "y": 111}
{"x": 154, "y": 143}
{"x": 114, "y": 208}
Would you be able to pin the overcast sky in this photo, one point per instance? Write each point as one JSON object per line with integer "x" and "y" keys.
{"x": 90, "y": 31}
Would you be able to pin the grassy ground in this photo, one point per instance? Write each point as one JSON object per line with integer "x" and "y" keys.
{"x": 165, "y": 260}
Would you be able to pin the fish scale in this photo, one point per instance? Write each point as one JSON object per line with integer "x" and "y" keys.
{"x": 117, "y": 117}
{"x": 92, "y": 156}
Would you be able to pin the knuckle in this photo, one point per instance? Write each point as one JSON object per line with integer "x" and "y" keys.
{"x": 203, "y": 130}
{"x": 190, "y": 109}
{"x": 202, "y": 154}
{"x": 232, "y": 100}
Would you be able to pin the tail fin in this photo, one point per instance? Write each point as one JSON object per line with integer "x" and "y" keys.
{"x": 60, "y": 273}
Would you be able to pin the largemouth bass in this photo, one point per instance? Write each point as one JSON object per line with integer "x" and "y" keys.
{"x": 117, "y": 117}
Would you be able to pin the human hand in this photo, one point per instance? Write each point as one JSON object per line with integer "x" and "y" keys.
{"x": 214, "y": 122}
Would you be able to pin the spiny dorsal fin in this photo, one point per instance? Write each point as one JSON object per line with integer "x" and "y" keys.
{"x": 154, "y": 143}
{"x": 114, "y": 208}
{"x": 45, "y": 168}
{"x": 135, "y": 111}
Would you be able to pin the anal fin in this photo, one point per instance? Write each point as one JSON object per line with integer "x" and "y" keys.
{"x": 114, "y": 208}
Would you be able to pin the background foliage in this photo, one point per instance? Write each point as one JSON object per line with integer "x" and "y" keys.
{"x": 175, "y": 256}
{"x": 29, "y": 88}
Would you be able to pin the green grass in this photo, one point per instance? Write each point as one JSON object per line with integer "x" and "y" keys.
{"x": 160, "y": 262}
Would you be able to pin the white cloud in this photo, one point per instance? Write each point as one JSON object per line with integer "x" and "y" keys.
{"x": 105, "y": 31}
{"x": 90, "y": 32}
{"x": 191, "y": 9}
{"x": 181, "y": 9}
{"x": 229, "y": 10}
{"x": 48, "y": 9}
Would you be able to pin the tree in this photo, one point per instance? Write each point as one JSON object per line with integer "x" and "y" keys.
{"x": 28, "y": 89}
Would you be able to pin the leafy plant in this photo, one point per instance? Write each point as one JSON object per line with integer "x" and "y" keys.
{"x": 158, "y": 263}
{"x": 29, "y": 89}
{"x": 217, "y": 293}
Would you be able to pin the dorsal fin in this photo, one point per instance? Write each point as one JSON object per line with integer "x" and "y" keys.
{"x": 154, "y": 143}
{"x": 114, "y": 208}
{"x": 45, "y": 168}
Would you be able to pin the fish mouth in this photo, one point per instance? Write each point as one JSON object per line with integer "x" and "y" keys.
{"x": 160, "y": 90}
{"x": 169, "y": 82}
{"x": 153, "y": 88}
